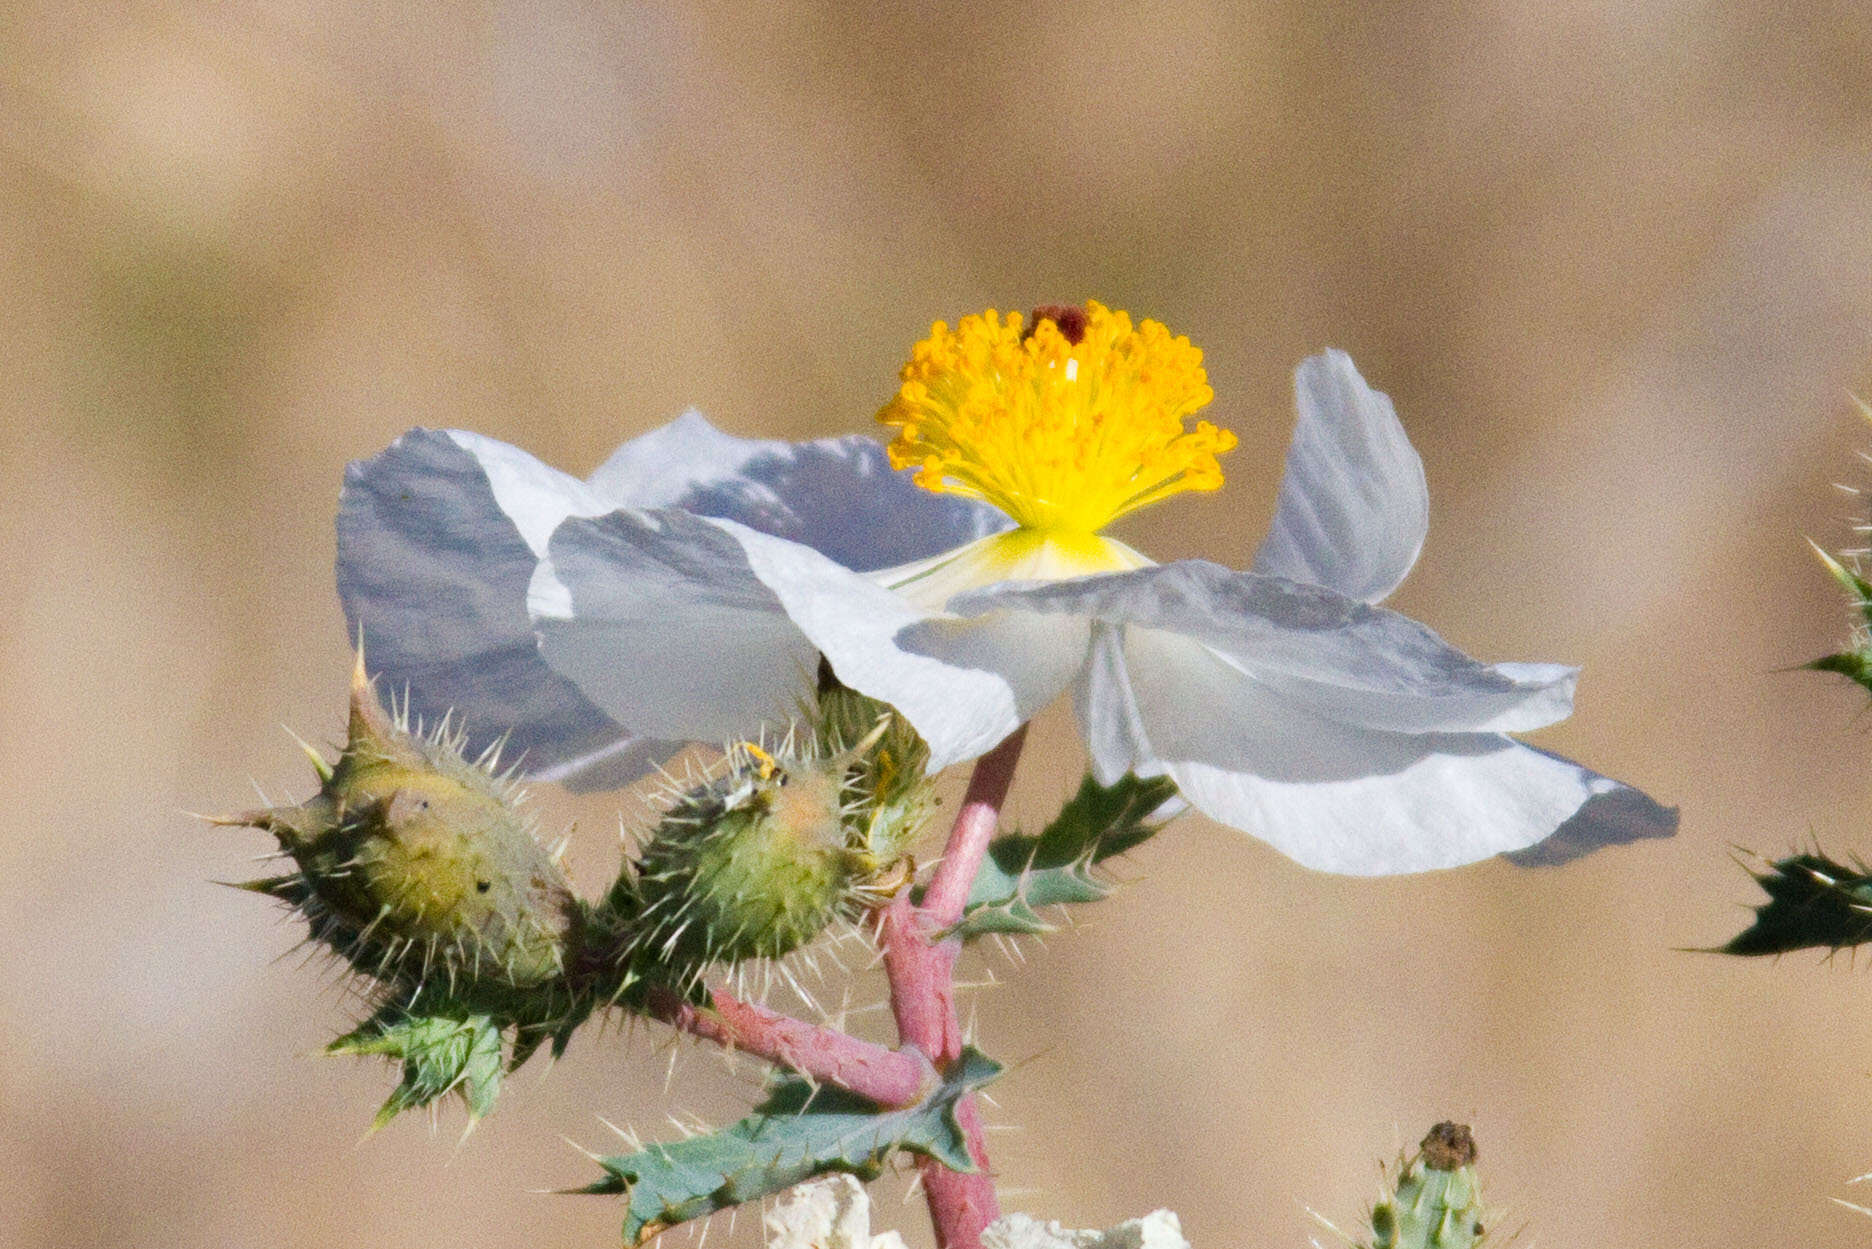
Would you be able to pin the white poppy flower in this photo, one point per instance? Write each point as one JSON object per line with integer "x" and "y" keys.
{"x": 688, "y": 589}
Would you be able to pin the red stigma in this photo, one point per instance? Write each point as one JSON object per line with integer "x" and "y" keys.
{"x": 1069, "y": 319}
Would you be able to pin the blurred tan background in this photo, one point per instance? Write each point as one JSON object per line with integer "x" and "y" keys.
{"x": 1613, "y": 261}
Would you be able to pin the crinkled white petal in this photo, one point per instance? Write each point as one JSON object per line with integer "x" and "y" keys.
{"x": 965, "y": 684}
{"x": 836, "y": 495}
{"x": 658, "y": 619}
{"x": 1340, "y": 798}
{"x": 1353, "y": 506}
{"x": 1337, "y": 657}
{"x": 535, "y": 496}
{"x": 437, "y": 539}
{"x": 1115, "y": 741}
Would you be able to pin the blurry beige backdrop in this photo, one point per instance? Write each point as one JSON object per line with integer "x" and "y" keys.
{"x": 1612, "y": 260}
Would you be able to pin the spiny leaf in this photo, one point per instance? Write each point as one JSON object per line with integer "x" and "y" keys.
{"x": 1023, "y": 873}
{"x": 1813, "y": 903}
{"x": 439, "y": 1054}
{"x": 799, "y": 1132}
{"x": 1854, "y": 665}
{"x": 1857, "y": 588}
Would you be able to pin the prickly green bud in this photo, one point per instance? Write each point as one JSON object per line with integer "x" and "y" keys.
{"x": 1436, "y": 1202}
{"x": 751, "y": 864}
{"x": 414, "y": 862}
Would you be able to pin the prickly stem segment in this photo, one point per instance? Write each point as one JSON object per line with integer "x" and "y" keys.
{"x": 920, "y": 966}
{"x": 891, "y": 1078}
{"x": 1435, "y": 1201}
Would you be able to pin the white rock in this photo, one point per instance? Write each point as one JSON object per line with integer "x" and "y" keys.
{"x": 831, "y": 1212}
{"x": 1157, "y": 1230}
{"x": 834, "y": 1212}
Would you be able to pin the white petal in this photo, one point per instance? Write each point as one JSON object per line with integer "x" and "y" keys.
{"x": 930, "y": 583}
{"x": 1342, "y": 799}
{"x": 1363, "y": 665}
{"x": 964, "y": 684}
{"x": 657, "y": 618}
{"x": 1107, "y": 714}
{"x": 836, "y": 495}
{"x": 1353, "y": 506}
{"x": 436, "y": 543}
{"x": 535, "y": 496}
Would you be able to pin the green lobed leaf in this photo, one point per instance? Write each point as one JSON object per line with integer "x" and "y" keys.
{"x": 798, "y": 1132}
{"x": 1023, "y": 873}
{"x": 1813, "y": 903}
{"x": 439, "y": 1054}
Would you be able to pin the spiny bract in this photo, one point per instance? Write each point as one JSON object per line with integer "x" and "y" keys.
{"x": 415, "y": 865}
{"x": 889, "y": 797}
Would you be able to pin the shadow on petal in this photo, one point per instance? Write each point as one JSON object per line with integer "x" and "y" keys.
{"x": 1615, "y": 818}
{"x": 433, "y": 573}
{"x": 838, "y": 496}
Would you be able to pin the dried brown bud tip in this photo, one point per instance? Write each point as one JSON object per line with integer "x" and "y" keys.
{"x": 1069, "y": 319}
{"x": 1449, "y": 1147}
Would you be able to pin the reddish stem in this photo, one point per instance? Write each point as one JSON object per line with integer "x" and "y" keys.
{"x": 921, "y": 968}
{"x": 974, "y": 828}
{"x": 886, "y": 1076}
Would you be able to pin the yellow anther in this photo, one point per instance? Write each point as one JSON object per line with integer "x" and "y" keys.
{"x": 768, "y": 765}
{"x": 1065, "y": 425}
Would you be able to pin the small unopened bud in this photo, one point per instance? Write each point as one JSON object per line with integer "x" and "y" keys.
{"x": 1436, "y": 1201}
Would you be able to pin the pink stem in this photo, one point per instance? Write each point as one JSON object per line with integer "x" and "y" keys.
{"x": 921, "y": 969}
{"x": 886, "y": 1076}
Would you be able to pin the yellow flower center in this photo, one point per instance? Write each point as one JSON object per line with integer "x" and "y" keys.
{"x": 1065, "y": 425}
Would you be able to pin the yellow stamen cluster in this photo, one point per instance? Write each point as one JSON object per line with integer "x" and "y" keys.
{"x": 1063, "y": 434}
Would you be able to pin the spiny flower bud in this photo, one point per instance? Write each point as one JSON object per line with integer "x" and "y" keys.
{"x": 1436, "y": 1202}
{"x": 413, "y": 862}
{"x": 753, "y": 863}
